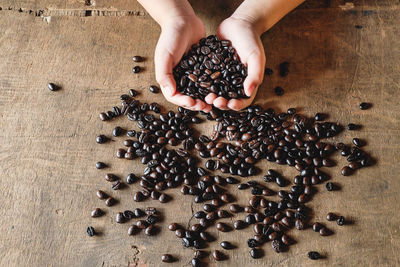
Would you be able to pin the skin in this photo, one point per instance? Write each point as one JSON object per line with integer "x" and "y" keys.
{"x": 181, "y": 28}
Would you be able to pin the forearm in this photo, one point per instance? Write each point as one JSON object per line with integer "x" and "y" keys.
{"x": 163, "y": 10}
{"x": 263, "y": 14}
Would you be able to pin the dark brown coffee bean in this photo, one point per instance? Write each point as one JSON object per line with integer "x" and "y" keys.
{"x": 324, "y": 231}
{"x": 150, "y": 230}
{"x": 218, "y": 255}
{"x": 141, "y": 224}
{"x": 331, "y": 216}
{"x": 90, "y": 231}
{"x": 222, "y": 227}
{"x": 277, "y": 246}
{"x": 180, "y": 233}
{"x": 101, "y": 139}
{"x": 314, "y": 255}
{"x": 53, "y": 87}
{"x": 227, "y": 245}
{"x": 133, "y": 229}
{"x": 136, "y": 69}
{"x": 117, "y": 185}
{"x": 299, "y": 224}
{"x": 101, "y": 194}
{"x": 316, "y": 227}
{"x": 154, "y": 89}
{"x": 239, "y": 224}
{"x": 119, "y": 218}
{"x": 167, "y": 258}
{"x": 235, "y": 208}
{"x": 100, "y": 165}
{"x": 137, "y": 59}
{"x": 110, "y": 201}
{"x": 255, "y": 253}
{"x": 340, "y": 221}
{"x": 346, "y": 171}
{"x": 196, "y": 262}
{"x": 97, "y": 212}
{"x": 364, "y": 105}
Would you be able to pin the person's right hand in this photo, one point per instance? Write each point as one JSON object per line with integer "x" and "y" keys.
{"x": 178, "y": 34}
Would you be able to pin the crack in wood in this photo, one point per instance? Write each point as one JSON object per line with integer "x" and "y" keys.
{"x": 76, "y": 12}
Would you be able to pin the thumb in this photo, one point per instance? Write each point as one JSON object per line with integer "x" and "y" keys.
{"x": 163, "y": 66}
{"x": 255, "y": 72}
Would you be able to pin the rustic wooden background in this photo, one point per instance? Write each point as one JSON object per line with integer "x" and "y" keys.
{"x": 47, "y": 139}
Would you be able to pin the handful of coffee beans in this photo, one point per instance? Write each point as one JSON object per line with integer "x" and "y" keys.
{"x": 211, "y": 66}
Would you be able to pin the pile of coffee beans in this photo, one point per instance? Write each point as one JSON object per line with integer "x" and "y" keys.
{"x": 211, "y": 66}
{"x": 171, "y": 150}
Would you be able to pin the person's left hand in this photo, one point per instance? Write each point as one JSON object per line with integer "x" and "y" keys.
{"x": 245, "y": 39}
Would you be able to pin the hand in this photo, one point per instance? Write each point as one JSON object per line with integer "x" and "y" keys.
{"x": 178, "y": 34}
{"x": 245, "y": 39}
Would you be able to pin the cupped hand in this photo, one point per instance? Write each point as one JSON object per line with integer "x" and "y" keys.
{"x": 178, "y": 34}
{"x": 245, "y": 39}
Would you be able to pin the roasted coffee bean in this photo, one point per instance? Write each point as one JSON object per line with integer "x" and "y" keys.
{"x": 218, "y": 255}
{"x": 117, "y": 185}
{"x": 243, "y": 186}
{"x": 252, "y": 243}
{"x": 138, "y": 196}
{"x": 227, "y": 245}
{"x": 235, "y": 208}
{"x": 324, "y": 231}
{"x": 96, "y": 213}
{"x": 352, "y": 127}
{"x": 119, "y": 218}
{"x": 180, "y": 232}
{"x": 364, "y": 105}
{"x": 137, "y": 59}
{"x": 167, "y": 258}
{"x": 103, "y": 116}
{"x": 138, "y": 213}
{"x": 196, "y": 262}
{"x": 118, "y": 131}
{"x": 101, "y": 194}
{"x": 100, "y": 165}
{"x": 101, "y": 139}
{"x": 358, "y": 142}
{"x": 131, "y": 178}
{"x": 136, "y": 69}
{"x": 314, "y": 255}
{"x": 111, "y": 177}
{"x": 268, "y": 71}
{"x": 90, "y": 231}
{"x": 330, "y": 186}
{"x": 141, "y": 224}
{"x": 255, "y": 253}
{"x": 299, "y": 224}
{"x": 331, "y": 216}
{"x": 128, "y": 214}
{"x": 316, "y": 227}
{"x": 173, "y": 227}
{"x": 154, "y": 89}
{"x": 277, "y": 246}
{"x": 222, "y": 227}
{"x": 110, "y": 201}
{"x": 340, "y": 221}
{"x": 133, "y": 229}
{"x": 239, "y": 224}
{"x": 346, "y": 171}
{"x": 284, "y": 69}
{"x": 53, "y": 87}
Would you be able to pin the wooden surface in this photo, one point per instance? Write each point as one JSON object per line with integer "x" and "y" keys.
{"x": 47, "y": 139}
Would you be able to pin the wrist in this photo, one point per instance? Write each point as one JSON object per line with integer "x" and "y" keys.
{"x": 256, "y": 24}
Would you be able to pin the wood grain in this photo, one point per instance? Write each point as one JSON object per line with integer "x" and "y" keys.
{"x": 48, "y": 149}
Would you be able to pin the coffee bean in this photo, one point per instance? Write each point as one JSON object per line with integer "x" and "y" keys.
{"x": 320, "y": 117}
{"x": 131, "y": 178}
{"x": 133, "y": 229}
{"x": 117, "y": 185}
{"x": 252, "y": 243}
{"x": 222, "y": 227}
{"x": 324, "y": 231}
{"x": 110, "y": 201}
{"x": 330, "y": 186}
{"x": 239, "y": 224}
{"x": 101, "y": 139}
{"x": 316, "y": 227}
{"x": 136, "y": 69}
{"x": 150, "y": 230}
{"x": 53, "y": 87}
{"x": 119, "y": 218}
{"x": 101, "y": 194}
{"x": 227, "y": 245}
{"x": 340, "y": 221}
{"x": 331, "y": 216}
{"x": 199, "y": 254}
{"x": 163, "y": 198}
{"x": 118, "y": 131}
{"x": 111, "y": 177}
{"x": 103, "y": 116}
{"x": 138, "y": 196}
{"x": 100, "y": 165}
{"x": 154, "y": 89}
{"x": 217, "y": 255}
{"x": 235, "y": 208}
{"x": 346, "y": 171}
{"x": 141, "y": 224}
{"x": 96, "y": 213}
{"x": 255, "y": 253}
{"x": 284, "y": 69}
{"x": 167, "y": 258}
{"x": 352, "y": 127}
{"x": 314, "y": 255}
{"x": 196, "y": 262}
{"x": 138, "y": 213}
{"x": 128, "y": 214}
{"x": 137, "y": 59}
{"x": 90, "y": 231}
{"x": 268, "y": 71}
{"x": 358, "y": 142}
{"x": 277, "y": 246}
{"x": 364, "y": 105}
{"x": 299, "y": 224}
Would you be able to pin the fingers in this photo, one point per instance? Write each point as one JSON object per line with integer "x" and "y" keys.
{"x": 221, "y": 103}
{"x": 238, "y": 104}
{"x": 255, "y": 70}
{"x": 163, "y": 66}
{"x": 210, "y": 98}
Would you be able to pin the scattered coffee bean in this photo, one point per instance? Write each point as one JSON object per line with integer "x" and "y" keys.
{"x": 118, "y": 131}
{"x": 352, "y": 127}
{"x": 279, "y": 91}
{"x": 222, "y": 227}
{"x": 100, "y": 165}
{"x": 110, "y": 201}
{"x": 196, "y": 262}
{"x": 226, "y": 245}
{"x": 137, "y": 59}
{"x": 101, "y": 194}
{"x": 331, "y": 216}
{"x": 218, "y": 255}
{"x": 136, "y": 69}
{"x": 150, "y": 230}
{"x": 340, "y": 221}
{"x": 255, "y": 253}
{"x": 346, "y": 171}
{"x": 131, "y": 178}
{"x": 364, "y": 105}
{"x": 330, "y": 186}
{"x": 53, "y": 87}
{"x": 90, "y": 231}
{"x": 119, "y": 218}
{"x": 167, "y": 258}
{"x": 96, "y": 213}
{"x": 314, "y": 255}
{"x": 154, "y": 89}
{"x": 358, "y": 142}
{"x": 133, "y": 229}
{"x": 101, "y": 139}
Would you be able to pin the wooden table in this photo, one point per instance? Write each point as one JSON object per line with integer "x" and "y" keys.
{"x": 48, "y": 148}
